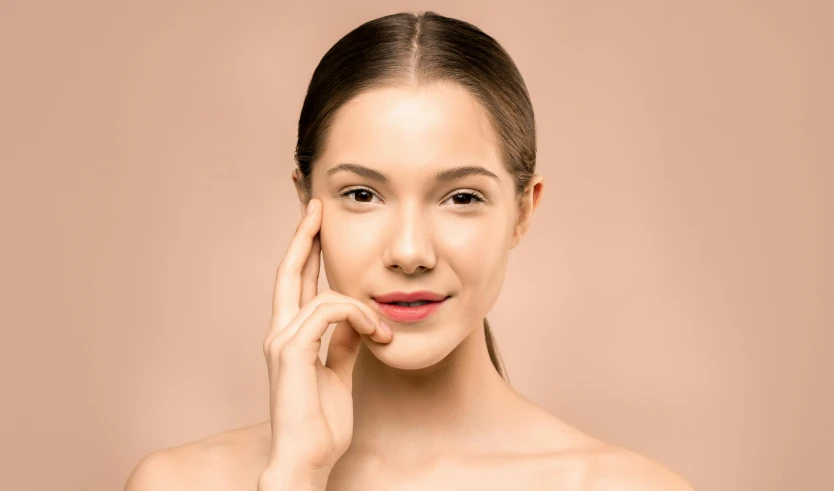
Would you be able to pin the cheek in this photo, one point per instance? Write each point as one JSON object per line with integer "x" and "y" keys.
{"x": 346, "y": 249}
{"x": 476, "y": 250}
{"x": 343, "y": 237}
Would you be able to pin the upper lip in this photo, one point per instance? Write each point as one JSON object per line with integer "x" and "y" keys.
{"x": 410, "y": 297}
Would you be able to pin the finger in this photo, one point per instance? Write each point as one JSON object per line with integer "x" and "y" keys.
{"x": 287, "y": 297}
{"x": 312, "y": 329}
{"x": 303, "y": 350}
{"x": 304, "y": 346}
{"x": 342, "y": 352}
{"x": 327, "y": 296}
{"x": 310, "y": 273}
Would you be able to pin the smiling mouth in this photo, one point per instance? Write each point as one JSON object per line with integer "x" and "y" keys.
{"x": 407, "y": 312}
{"x": 409, "y": 304}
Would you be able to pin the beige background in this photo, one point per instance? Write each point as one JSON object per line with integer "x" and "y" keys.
{"x": 674, "y": 295}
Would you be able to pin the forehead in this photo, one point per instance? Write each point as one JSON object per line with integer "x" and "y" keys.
{"x": 413, "y": 129}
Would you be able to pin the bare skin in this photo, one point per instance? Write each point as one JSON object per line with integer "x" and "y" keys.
{"x": 430, "y": 410}
{"x": 234, "y": 459}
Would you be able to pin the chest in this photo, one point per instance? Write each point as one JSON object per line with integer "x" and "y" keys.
{"x": 534, "y": 474}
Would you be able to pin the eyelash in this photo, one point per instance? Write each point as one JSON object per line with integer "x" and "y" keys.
{"x": 478, "y": 197}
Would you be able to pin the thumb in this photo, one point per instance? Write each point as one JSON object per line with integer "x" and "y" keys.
{"x": 343, "y": 351}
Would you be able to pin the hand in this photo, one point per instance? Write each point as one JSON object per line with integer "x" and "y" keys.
{"x": 311, "y": 405}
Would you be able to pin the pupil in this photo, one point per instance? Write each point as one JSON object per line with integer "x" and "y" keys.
{"x": 362, "y": 192}
{"x": 465, "y": 197}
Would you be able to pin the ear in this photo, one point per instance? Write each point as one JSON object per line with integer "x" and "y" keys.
{"x": 298, "y": 180}
{"x": 529, "y": 202}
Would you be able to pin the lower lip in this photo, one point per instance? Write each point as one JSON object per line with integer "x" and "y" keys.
{"x": 402, "y": 313}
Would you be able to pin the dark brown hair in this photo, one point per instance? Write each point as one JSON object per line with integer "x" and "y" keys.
{"x": 415, "y": 50}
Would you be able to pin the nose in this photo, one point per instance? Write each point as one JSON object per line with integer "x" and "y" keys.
{"x": 409, "y": 245}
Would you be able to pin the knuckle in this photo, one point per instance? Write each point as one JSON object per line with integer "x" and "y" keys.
{"x": 322, "y": 309}
{"x": 270, "y": 348}
{"x": 288, "y": 352}
{"x": 355, "y": 309}
{"x": 332, "y": 297}
{"x": 274, "y": 345}
{"x": 326, "y": 294}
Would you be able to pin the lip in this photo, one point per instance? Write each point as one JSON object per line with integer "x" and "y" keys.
{"x": 401, "y": 313}
{"x": 410, "y": 297}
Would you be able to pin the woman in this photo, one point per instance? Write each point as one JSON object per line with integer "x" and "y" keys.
{"x": 416, "y": 153}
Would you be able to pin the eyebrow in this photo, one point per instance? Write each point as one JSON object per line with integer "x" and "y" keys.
{"x": 443, "y": 175}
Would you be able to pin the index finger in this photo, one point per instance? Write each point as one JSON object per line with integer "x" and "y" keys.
{"x": 287, "y": 295}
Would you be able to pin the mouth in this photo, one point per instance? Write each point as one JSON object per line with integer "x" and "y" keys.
{"x": 409, "y": 311}
{"x": 403, "y": 297}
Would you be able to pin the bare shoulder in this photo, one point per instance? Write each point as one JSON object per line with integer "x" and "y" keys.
{"x": 226, "y": 460}
{"x": 615, "y": 468}
{"x": 578, "y": 460}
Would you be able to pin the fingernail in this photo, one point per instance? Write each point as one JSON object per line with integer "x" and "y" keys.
{"x": 386, "y": 327}
{"x": 310, "y": 206}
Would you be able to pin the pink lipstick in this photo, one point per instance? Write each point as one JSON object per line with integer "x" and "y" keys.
{"x": 412, "y": 306}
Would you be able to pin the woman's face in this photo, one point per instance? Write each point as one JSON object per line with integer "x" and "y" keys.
{"x": 393, "y": 228}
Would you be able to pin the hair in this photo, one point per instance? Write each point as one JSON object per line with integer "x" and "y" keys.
{"x": 416, "y": 50}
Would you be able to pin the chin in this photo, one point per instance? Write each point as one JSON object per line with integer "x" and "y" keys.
{"x": 408, "y": 351}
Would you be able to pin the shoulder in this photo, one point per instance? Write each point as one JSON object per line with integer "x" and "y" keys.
{"x": 578, "y": 460}
{"x": 160, "y": 469}
{"x": 210, "y": 463}
{"x": 615, "y": 468}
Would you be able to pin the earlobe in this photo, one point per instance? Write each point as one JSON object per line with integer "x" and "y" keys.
{"x": 520, "y": 227}
{"x": 520, "y": 230}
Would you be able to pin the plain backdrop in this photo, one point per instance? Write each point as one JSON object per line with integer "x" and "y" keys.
{"x": 673, "y": 296}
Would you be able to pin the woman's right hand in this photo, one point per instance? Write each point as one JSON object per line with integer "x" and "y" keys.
{"x": 311, "y": 404}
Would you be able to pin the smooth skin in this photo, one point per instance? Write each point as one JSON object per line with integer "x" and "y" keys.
{"x": 422, "y": 407}
{"x": 311, "y": 408}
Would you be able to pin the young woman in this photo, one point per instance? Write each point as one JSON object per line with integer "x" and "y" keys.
{"x": 416, "y": 156}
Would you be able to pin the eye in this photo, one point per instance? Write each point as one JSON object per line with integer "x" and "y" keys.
{"x": 468, "y": 196}
{"x": 367, "y": 195}
{"x": 364, "y": 193}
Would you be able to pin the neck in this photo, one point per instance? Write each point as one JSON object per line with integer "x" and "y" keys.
{"x": 407, "y": 419}
{"x": 456, "y": 403}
